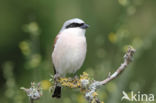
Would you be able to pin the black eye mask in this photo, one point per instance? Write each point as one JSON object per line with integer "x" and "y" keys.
{"x": 72, "y": 25}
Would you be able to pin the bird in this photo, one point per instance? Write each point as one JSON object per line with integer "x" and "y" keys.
{"x": 69, "y": 50}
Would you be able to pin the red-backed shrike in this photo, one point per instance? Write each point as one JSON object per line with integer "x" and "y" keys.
{"x": 69, "y": 50}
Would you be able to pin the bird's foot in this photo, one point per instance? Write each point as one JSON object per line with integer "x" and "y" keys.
{"x": 56, "y": 77}
{"x": 76, "y": 77}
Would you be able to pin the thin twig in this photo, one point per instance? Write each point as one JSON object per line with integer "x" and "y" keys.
{"x": 34, "y": 92}
{"x": 31, "y": 100}
{"x": 127, "y": 59}
{"x": 93, "y": 86}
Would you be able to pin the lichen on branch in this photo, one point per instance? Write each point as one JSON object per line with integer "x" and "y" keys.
{"x": 34, "y": 92}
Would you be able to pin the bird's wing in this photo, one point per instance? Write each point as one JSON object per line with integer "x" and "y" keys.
{"x": 55, "y": 40}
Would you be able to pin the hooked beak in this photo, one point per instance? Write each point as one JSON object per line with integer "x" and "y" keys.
{"x": 84, "y": 26}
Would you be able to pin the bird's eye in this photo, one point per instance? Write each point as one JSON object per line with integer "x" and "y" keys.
{"x": 81, "y": 24}
{"x": 74, "y": 25}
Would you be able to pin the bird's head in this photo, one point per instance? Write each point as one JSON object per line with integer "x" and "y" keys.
{"x": 74, "y": 23}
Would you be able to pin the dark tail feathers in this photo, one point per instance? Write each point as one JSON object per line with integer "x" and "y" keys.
{"x": 57, "y": 92}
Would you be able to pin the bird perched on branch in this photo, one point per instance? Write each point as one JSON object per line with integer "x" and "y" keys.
{"x": 69, "y": 50}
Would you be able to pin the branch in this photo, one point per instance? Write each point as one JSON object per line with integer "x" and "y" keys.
{"x": 34, "y": 92}
{"x": 31, "y": 100}
{"x": 87, "y": 85}
{"x": 93, "y": 86}
{"x": 127, "y": 59}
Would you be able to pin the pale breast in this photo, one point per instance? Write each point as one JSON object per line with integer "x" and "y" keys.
{"x": 69, "y": 53}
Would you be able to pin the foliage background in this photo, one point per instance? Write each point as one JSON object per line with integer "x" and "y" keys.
{"x": 28, "y": 29}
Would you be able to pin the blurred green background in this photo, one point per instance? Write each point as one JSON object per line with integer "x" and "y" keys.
{"x": 28, "y": 29}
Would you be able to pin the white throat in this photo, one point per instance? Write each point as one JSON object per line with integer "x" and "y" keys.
{"x": 73, "y": 31}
